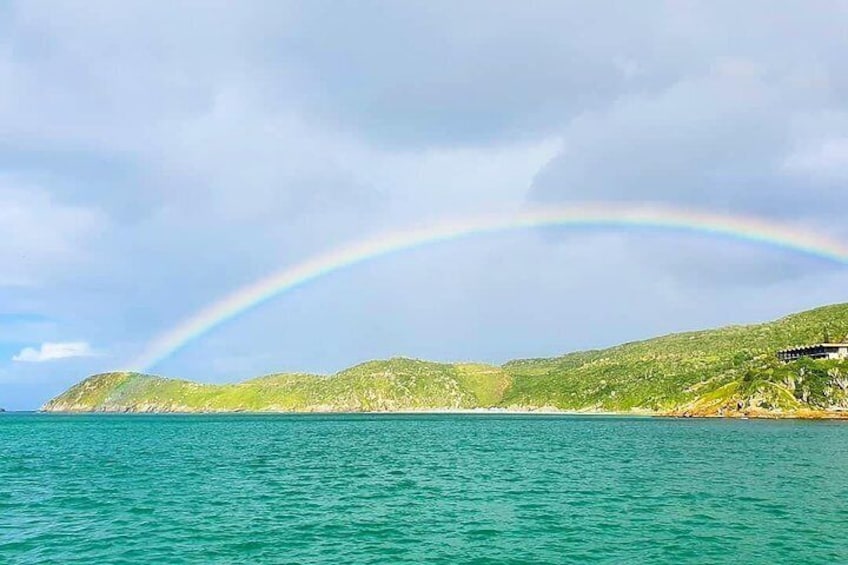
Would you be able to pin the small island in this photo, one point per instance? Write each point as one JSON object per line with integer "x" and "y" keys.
{"x": 755, "y": 371}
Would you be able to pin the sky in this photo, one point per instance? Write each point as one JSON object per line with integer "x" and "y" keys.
{"x": 155, "y": 157}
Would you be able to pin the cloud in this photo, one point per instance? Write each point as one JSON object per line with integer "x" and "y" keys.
{"x": 53, "y": 351}
{"x": 827, "y": 160}
{"x": 438, "y": 73}
{"x": 39, "y": 236}
{"x": 713, "y": 141}
{"x": 745, "y": 132}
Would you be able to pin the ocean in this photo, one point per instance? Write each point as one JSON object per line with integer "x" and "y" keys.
{"x": 445, "y": 488}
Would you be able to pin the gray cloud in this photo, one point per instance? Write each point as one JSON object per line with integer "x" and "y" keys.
{"x": 720, "y": 141}
{"x": 447, "y": 73}
{"x": 755, "y": 126}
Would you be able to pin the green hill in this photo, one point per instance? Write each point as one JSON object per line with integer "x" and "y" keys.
{"x": 730, "y": 371}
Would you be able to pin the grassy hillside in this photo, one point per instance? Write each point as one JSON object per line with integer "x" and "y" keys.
{"x": 728, "y": 371}
{"x": 679, "y": 372}
{"x": 396, "y": 384}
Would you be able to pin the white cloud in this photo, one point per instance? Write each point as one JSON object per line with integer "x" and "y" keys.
{"x": 53, "y": 351}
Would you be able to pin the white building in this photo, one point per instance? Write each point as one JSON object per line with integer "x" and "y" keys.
{"x": 818, "y": 351}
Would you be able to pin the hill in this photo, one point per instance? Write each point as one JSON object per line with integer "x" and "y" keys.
{"x": 730, "y": 371}
{"x": 396, "y": 384}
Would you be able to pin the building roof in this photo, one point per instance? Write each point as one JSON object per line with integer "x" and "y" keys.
{"x": 806, "y": 347}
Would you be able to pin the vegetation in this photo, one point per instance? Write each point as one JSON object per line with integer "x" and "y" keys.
{"x": 730, "y": 371}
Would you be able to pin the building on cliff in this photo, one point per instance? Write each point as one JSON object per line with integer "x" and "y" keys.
{"x": 818, "y": 351}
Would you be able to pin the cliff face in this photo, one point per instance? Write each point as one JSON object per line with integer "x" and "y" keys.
{"x": 724, "y": 372}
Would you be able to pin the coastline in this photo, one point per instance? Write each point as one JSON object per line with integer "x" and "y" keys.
{"x": 547, "y": 411}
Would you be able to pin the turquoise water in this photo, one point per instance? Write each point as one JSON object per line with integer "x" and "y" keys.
{"x": 409, "y": 489}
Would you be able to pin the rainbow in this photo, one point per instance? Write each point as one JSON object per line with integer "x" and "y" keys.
{"x": 748, "y": 229}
